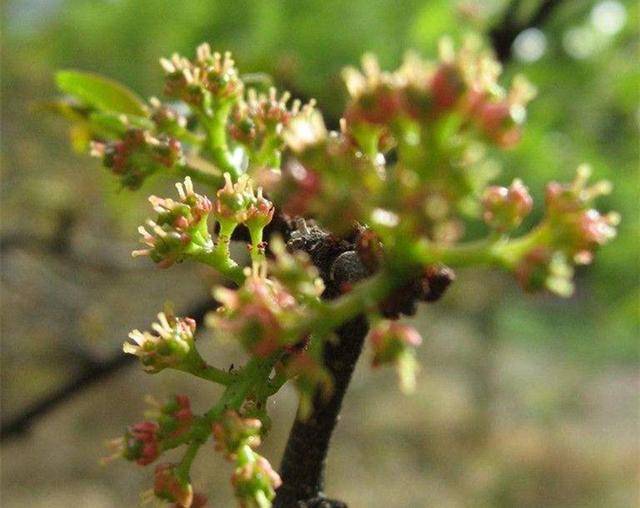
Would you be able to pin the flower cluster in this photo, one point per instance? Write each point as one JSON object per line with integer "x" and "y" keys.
{"x": 208, "y": 79}
{"x": 388, "y": 195}
{"x": 569, "y": 234}
{"x": 170, "y": 486}
{"x": 138, "y": 154}
{"x": 257, "y": 314}
{"x": 232, "y": 432}
{"x": 253, "y": 479}
{"x": 143, "y": 441}
{"x": 238, "y": 203}
{"x": 169, "y": 346}
{"x": 179, "y": 229}
{"x": 464, "y": 83}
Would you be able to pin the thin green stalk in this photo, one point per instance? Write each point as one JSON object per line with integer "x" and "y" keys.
{"x": 223, "y": 264}
{"x": 216, "y": 126}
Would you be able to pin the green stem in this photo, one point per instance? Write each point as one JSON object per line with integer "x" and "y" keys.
{"x": 194, "y": 364}
{"x": 255, "y": 373}
{"x": 216, "y": 126}
{"x": 500, "y": 252}
{"x": 326, "y": 318}
{"x": 222, "y": 263}
{"x": 257, "y": 250}
{"x": 224, "y": 238}
{"x": 184, "y": 467}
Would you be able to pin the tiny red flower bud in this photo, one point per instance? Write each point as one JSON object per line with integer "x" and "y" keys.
{"x": 168, "y": 486}
{"x": 504, "y": 209}
{"x": 233, "y": 431}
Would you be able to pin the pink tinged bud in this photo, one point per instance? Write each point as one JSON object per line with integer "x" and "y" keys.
{"x": 141, "y": 443}
{"x": 390, "y": 340}
{"x": 255, "y": 482}
{"x": 504, "y": 209}
{"x": 168, "y": 486}
{"x": 446, "y": 86}
{"x": 232, "y": 432}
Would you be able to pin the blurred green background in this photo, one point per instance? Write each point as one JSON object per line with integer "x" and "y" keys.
{"x": 523, "y": 401}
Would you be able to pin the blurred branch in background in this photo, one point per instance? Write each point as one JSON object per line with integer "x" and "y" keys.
{"x": 504, "y": 33}
{"x": 502, "y": 37}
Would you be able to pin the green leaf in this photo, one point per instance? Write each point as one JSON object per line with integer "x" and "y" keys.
{"x": 99, "y": 92}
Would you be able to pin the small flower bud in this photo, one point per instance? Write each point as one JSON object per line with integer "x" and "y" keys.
{"x": 447, "y": 86}
{"x": 576, "y": 229}
{"x": 170, "y": 345}
{"x": 255, "y": 483}
{"x": 140, "y": 444}
{"x": 232, "y": 432}
{"x": 504, "y": 209}
{"x": 295, "y": 272}
{"x": 239, "y": 204}
{"x": 170, "y": 487}
{"x": 175, "y": 417}
{"x": 305, "y": 129}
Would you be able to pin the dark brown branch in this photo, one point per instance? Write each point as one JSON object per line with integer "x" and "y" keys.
{"x": 504, "y": 33}
{"x": 304, "y": 459}
{"x": 91, "y": 374}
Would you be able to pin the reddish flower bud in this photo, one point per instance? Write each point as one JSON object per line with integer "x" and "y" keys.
{"x": 255, "y": 482}
{"x": 232, "y": 431}
{"x": 504, "y": 209}
{"x": 168, "y": 486}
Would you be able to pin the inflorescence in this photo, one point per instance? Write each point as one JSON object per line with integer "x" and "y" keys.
{"x": 387, "y": 197}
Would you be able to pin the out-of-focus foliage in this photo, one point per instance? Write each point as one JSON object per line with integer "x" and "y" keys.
{"x": 583, "y": 62}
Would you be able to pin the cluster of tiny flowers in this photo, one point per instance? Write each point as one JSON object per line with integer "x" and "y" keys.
{"x": 170, "y": 486}
{"x": 505, "y": 208}
{"x": 464, "y": 83}
{"x": 256, "y": 314}
{"x": 238, "y": 203}
{"x": 255, "y": 482}
{"x": 253, "y": 479}
{"x": 393, "y": 343}
{"x": 171, "y": 343}
{"x": 180, "y": 227}
{"x": 209, "y": 77}
{"x": 137, "y": 155}
{"x": 233, "y": 431}
{"x": 572, "y": 232}
{"x": 143, "y": 441}
{"x": 265, "y": 123}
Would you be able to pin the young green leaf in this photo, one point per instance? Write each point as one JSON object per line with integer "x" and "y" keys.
{"x": 99, "y": 92}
